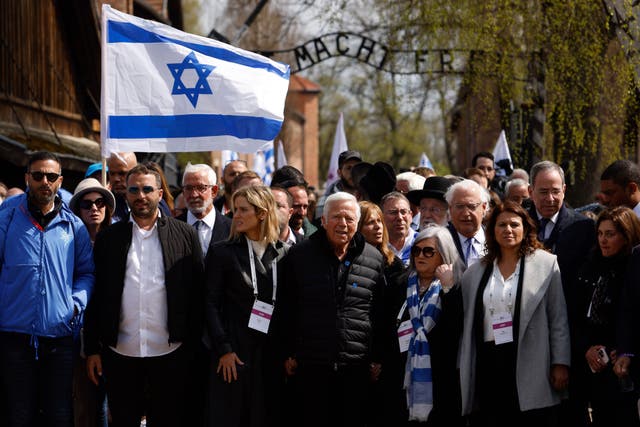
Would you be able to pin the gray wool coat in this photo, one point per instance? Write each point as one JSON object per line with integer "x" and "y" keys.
{"x": 543, "y": 333}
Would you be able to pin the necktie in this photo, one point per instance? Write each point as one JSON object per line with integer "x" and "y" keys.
{"x": 543, "y": 227}
{"x": 199, "y": 226}
{"x": 471, "y": 255}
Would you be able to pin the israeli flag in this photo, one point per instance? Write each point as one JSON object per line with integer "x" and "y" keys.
{"x": 263, "y": 163}
{"x": 164, "y": 90}
{"x": 425, "y": 162}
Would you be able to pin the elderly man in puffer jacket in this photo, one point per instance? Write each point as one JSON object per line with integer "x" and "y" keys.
{"x": 46, "y": 278}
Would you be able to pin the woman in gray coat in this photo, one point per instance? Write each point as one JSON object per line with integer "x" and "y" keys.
{"x": 514, "y": 353}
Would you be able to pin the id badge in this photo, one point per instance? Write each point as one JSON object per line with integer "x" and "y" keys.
{"x": 405, "y": 332}
{"x": 502, "y": 328}
{"x": 261, "y": 313}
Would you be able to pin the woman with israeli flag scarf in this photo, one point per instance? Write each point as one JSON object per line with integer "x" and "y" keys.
{"x": 434, "y": 325}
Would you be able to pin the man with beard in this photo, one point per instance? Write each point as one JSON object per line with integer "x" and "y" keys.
{"x": 46, "y": 278}
{"x": 119, "y": 164}
{"x": 146, "y": 314}
{"x": 284, "y": 202}
{"x": 229, "y": 173}
{"x": 199, "y": 190}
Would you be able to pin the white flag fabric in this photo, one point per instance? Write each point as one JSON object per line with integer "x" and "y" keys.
{"x": 339, "y": 145}
{"x": 164, "y": 90}
{"x": 227, "y": 156}
{"x": 425, "y": 162}
{"x": 263, "y": 164}
{"x": 282, "y": 158}
{"x": 501, "y": 152}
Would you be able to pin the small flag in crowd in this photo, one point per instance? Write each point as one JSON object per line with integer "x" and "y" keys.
{"x": 502, "y": 157}
{"x": 282, "y": 158}
{"x": 425, "y": 162}
{"x": 339, "y": 145}
{"x": 263, "y": 164}
{"x": 164, "y": 90}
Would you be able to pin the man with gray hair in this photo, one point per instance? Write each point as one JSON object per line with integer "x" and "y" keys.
{"x": 331, "y": 312}
{"x": 199, "y": 187}
{"x": 468, "y": 203}
{"x": 517, "y": 190}
{"x": 569, "y": 235}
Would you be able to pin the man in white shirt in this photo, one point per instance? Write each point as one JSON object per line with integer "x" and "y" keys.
{"x": 199, "y": 189}
{"x": 620, "y": 185}
{"x": 396, "y": 211}
{"x": 146, "y": 313}
{"x": 468, "y": 203}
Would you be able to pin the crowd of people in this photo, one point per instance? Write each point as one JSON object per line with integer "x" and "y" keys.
{"x": 396, "y": 299}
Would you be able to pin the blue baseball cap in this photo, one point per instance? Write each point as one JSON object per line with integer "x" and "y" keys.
{"x": 93, "y": 168}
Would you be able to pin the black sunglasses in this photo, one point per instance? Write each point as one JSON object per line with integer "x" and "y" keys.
{"x": 86, "y": 203}
{"x": 147, "y": 189}
{"x": 39, "y": 176}
{"x": 426, "y": 252}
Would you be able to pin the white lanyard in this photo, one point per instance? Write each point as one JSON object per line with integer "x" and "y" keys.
{"x": 254, "y": 281}
{"x": 402, "y": 309}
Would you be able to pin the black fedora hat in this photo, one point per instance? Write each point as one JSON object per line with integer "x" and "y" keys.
{"x": 378, "y": 181}
{"x": 434, "y": 188}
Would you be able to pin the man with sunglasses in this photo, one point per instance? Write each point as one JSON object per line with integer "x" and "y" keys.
{"x": 46, "y": 279}
{"x": 146, "y": 315}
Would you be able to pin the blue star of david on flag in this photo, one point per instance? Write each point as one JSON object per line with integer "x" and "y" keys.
{"x": 201, "y": 87}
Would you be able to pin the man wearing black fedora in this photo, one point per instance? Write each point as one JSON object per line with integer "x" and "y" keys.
{"x": 431, "y": 202}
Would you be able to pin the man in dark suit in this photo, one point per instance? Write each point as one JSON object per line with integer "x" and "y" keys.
{"x": 628, "y": 331}
{"x": 147, "y": 310}
{"x": 199, "y": 186}
{"x": 570, "y": 236}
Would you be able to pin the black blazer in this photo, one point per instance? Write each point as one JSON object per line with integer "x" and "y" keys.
{"x": 571, "y": 239}
{"x": 229, "y": 295}
{"x": 221, "y": 228}
{"x": 182, "y": 259}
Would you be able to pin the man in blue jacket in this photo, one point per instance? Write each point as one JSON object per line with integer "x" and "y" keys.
{"x": 46, "y": 278}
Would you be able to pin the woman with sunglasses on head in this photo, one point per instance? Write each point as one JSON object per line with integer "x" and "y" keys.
{"x": 241, "y": 284}
{"x": 600, "y": 281}
{"x": 94, "y": 205}
{"x": 429, "y": 326}
{"x": 514, "y": 352}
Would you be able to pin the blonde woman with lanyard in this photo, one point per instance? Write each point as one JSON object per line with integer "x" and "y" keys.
{"x": 241, "y": 282}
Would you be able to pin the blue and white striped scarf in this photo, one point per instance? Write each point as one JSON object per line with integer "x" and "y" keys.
{"x": 424, "y": 313}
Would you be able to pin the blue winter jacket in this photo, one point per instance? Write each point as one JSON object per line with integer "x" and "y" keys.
{"x": 44, "y": 273}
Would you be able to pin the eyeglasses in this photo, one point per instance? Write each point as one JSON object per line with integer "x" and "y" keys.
{"x": 39, "y": 176}
{"x": 196, "y": 188}
{"x": 427, "y": 251}
{"x": 462, "y": 206}
{"x": 86, "y": 203}
{"x": 147, "y": 189}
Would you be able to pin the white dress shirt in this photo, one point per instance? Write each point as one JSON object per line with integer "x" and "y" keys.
{"x": 499, "y": 297}
{"x": 478, "y": 249}
{"x": 143, "y": 314}
{"x": 205, "y": 231}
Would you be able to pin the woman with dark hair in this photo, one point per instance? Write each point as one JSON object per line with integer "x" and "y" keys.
{"x": 514, "y": 352}
{"x": 600, "y": 282}
{"x": 241, "y": 282}
{"x": 93, "y": 204}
